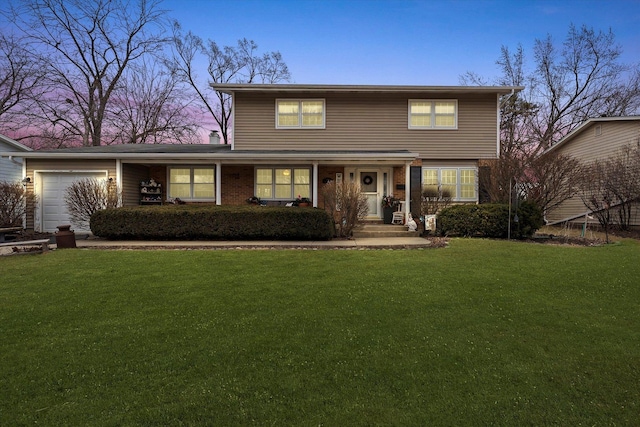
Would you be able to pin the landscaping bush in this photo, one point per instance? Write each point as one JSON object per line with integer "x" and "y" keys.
{"x": 89, "y": 195}
{"x": 489, "y": 220}
{"x": 346, "y": 204}
{"x": 14, "y": 202}
{"x": 210, "y": 222}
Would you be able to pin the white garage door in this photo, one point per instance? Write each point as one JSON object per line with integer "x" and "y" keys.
{"x": 54, "y": 184}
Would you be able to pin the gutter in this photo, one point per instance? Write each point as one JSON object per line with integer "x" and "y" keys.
{"x": 230, "y": 156}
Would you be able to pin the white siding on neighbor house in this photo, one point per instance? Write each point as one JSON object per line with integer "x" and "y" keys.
{"x": 10, "y": 169}
{"x": 590, "y": 145}
{"x": 369, "y": 121}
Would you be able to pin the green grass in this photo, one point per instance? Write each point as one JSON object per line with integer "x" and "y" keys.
{"x": 480, "y": 333}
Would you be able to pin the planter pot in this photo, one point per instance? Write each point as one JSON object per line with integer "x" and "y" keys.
{"x": 387, "y": 215}
{"x": 304, "y": 205}
{"x": 65, "y": 237}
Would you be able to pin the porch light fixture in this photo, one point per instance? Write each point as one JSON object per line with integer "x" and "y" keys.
{"x": 26, "y": 180}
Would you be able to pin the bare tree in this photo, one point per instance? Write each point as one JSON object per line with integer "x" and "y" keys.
{"x": 596, "y": 194}
{"x": 150, "y": 106}
{"x": 347, "y": 205}
{"x": 15, "y": 201}
{"x": 552, "y": 179}
{"x": 229, "y": 64}
{"x": 435, "y": 200}
{"x": 20, "y": 79}
{"x": 89, "y": 195}
{"x": 86, "y": 47}
{"x": 580, "y": 80}
{"x": 568, "y": 84}
{"x": 610, "y": 188}
{"x": 623, "y": 180}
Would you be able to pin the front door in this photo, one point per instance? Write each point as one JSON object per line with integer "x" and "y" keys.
{"x": 371, "y": 187}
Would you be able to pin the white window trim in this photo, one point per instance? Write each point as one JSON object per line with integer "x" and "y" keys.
{"x": 273, "y": 181}
{"x": 300, "y": 101}
{"x": 433, "y": 115}
{"x": 458, "y": 183}
{"x": 192, "y": 167}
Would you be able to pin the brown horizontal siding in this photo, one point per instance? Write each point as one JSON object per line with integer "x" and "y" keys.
{"x": 587, "y": 147}
{"x": 369, "y": 122}
{"x": 132, "y": 176}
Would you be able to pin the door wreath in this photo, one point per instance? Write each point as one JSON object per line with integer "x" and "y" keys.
{"x": 367, "y": 180}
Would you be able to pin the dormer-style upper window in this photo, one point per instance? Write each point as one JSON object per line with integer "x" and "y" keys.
{"x": 433, "y": 114}
{"x": 299, "y": 113}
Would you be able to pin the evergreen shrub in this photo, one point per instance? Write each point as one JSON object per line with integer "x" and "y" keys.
{"x": 211, "y": 222}
{"x": 489, "y": 220}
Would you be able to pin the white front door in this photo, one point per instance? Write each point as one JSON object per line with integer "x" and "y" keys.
{"x": 370, "y": 185}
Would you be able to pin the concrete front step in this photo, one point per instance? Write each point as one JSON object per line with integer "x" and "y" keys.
{"x": 382, "y": 231}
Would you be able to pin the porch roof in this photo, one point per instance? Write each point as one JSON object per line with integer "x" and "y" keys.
{"x": 200, "y": 153}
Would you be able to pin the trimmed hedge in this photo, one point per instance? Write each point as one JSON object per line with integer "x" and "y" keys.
{"x": 211, "y": 222}
{"x": 489, "y": 220}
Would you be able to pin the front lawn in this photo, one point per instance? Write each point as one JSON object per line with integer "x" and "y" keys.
{"x": 480, "y": 333}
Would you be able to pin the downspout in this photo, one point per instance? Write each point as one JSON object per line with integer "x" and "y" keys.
{"x": 315, "y": 184}
{"x": 218, "y": 183}
{"x": 24, "y": 174}
{"x": 407, "y": 191}
{"x": 513, "y": 91}
{"x": 233, "y": 122}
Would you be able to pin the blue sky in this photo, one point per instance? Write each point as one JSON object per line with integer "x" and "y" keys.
{"x": 412, "y": 42}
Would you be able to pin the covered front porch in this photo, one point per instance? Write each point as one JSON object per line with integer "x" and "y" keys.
{"x": 274, "y": 178}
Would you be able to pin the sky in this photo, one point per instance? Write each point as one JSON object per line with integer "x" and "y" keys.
{"x": 401, "y": 42}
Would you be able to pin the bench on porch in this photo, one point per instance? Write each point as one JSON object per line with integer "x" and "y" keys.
{"x": 42, "y": 243}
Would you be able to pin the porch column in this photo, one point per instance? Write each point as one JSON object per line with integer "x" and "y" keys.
{"x": 315, "y": 184}
{"x": 407, "y": 190}
{"x": 118, "y": 181}
{"x": 218, "y": 183}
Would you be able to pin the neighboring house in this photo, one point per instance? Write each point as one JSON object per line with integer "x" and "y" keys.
{"x": 290, "y": 139}
{"x": 11, "y": 166}
{"x": 598, "y": 138}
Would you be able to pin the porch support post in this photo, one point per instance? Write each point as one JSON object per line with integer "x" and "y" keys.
{"x": 218, "y": 183}
{"x": 118, "y": 181}
{"x": 315, "y": 184}
{"x": 407, "y": 190}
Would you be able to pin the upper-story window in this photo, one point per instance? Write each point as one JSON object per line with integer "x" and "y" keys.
{"x": 299, "y": 113}
{"x": 433, "y": 114}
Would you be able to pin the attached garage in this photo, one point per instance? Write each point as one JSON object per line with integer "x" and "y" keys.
{"x": 51, "y": 188}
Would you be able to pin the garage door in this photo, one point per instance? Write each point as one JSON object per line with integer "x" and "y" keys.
{"x": 54, "y": 185}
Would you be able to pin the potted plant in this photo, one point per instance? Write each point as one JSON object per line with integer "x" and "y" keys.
{"x": 389, "y": 204}
{"x": 302, "y": 201}
{"x": 253, "y": 200}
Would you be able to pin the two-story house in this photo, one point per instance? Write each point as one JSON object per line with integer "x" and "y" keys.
{"x": 287, "y": 140}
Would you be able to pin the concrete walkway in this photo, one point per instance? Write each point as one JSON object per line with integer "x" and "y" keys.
{"x": 361, "y": 243}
